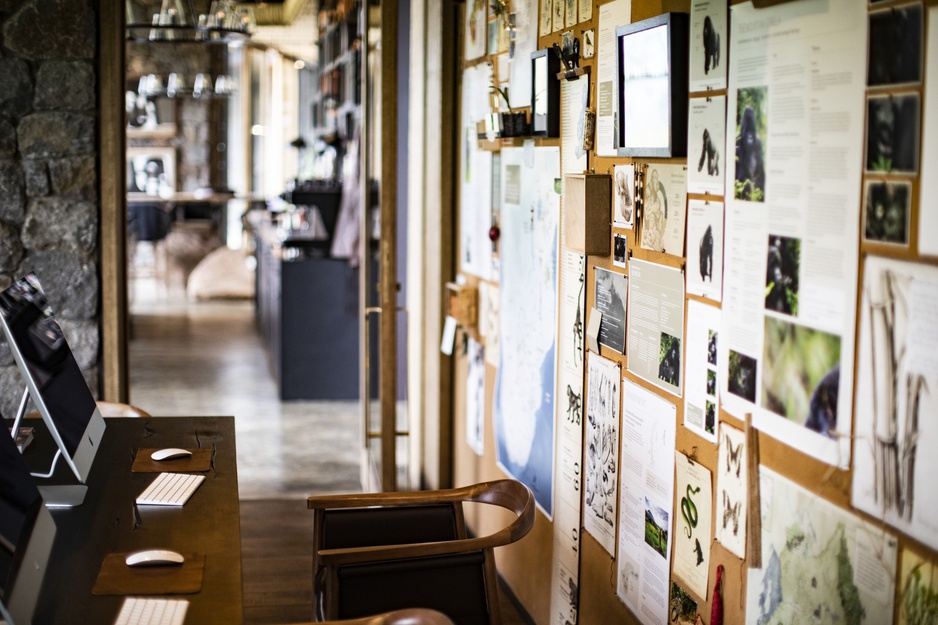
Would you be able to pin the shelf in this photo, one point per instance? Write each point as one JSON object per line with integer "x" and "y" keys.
{"x": 148, "y": 33}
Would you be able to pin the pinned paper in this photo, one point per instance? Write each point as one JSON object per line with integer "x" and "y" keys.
{"x": 449, "y": 336}
{"x": 592, "y": 330}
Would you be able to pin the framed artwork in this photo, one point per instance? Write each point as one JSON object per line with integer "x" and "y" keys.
{"x": 151, "y": 171}
{"x": 148, "y": 116}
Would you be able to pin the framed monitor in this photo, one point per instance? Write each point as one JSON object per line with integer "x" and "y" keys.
{"x": 27, "y": 532}
{"x": 54, "y": 381}
{"x": 652, "y": 75}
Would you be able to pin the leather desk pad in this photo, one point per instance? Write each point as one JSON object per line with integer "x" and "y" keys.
{"x": 200, "y": 460}
{"x": 116, "y": 578}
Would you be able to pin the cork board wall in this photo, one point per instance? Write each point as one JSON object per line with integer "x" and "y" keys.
{"x": 526, "y": 565}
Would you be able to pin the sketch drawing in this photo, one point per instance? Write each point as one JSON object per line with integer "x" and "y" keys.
{"x": 655, "y": 218}
{"x": 730, "y": 513}
{"x": 895, "y": 451}
{"x": 896, "y": 384}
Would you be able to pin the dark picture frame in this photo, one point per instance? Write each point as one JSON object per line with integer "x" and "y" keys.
{"x": 545, "y": 94}
{"x": 652, "y": 74}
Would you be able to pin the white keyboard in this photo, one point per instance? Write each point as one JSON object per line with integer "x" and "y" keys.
{"x": 170, "y": 489}
{"x": 142, "y": 611}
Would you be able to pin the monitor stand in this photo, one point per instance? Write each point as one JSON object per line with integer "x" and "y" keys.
{"x": 62, "y": 495}
{"x": 53, "y": 495}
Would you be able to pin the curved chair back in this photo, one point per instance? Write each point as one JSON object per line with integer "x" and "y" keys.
{"x": 384, "y": 551}
{"x": 413, "y": 616}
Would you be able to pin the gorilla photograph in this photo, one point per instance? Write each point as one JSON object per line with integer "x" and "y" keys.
{"x": 895, "y": 49}
{"x": 782, "y": 272}
{"x": 886, "y": 212}
{"x": 669, "y": 359}
{"x": 801, "y": 375}
{"x": 741, "y": 379}
{"x": 892, "y": 133}
{"x": 751, "y": 126}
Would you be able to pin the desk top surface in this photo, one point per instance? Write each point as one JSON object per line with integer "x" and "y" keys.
{"x": 108, "y": 521}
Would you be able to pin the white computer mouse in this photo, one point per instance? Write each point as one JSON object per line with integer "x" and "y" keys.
{"x": 170, "y": 453}
{"x": 154, "y": 557}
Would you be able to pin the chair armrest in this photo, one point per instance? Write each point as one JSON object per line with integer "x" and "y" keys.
{"x": 509, "y": 494}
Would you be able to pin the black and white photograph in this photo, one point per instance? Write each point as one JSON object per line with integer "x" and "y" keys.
{"x": 709, "y": 37}
{"x": 712, "y": 337}
{"x": 741, "y": 376}
{"x": 886, "y": 210}
{"x": 892, "y": 133}
{"x": 706, "y": 138}
{"x": 612, "y": 290}
{"x": 624, "y": 189}
{"x": 895, "y": 46}
{"x": 705, "y": 249}
{"x": 620, "y": 250}
{"x": 751, "y": 130}
{"x": 151, "y": 170}
{"x": 782, "y": 274}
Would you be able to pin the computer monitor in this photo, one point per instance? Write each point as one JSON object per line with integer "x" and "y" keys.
{"x": 54, "y": 382}
{"x": 27, "y": 532}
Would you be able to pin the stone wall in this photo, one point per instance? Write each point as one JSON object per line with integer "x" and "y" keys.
{"x": 49, "y": 205}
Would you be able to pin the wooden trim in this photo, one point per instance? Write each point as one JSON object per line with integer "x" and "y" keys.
{"x": 388, "y": 286}
{"x": 113, "y": 223}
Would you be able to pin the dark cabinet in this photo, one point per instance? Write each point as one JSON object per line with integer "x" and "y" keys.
{"x": 307, "y": 310}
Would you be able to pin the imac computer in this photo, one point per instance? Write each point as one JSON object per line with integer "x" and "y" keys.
{"x": 55, "y": 384}
{"x": 27, "y": 532}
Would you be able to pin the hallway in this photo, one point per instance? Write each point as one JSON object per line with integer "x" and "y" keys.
{"x": 206, "y": 358}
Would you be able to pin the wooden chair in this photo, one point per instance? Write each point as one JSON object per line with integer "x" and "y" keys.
{"x": 373, "y": 553}
{"x": 414, "y": 616}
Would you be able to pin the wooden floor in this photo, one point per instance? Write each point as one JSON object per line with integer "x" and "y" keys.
{"x": 207, "y": 359}
{"x": 276, "y": 565}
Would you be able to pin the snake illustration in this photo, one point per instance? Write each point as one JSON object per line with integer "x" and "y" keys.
{"x": 689, "y": 510}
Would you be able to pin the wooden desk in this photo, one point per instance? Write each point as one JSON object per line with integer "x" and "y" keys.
{"x": 109, "y": 521}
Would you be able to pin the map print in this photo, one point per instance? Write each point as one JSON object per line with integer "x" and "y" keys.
{"x": 820, "y": 563}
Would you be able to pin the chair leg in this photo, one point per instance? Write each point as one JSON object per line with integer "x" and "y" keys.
{"x": 491, "y": 589}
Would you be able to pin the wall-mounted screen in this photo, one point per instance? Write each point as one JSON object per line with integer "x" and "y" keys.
{"x": 652, "y": 76}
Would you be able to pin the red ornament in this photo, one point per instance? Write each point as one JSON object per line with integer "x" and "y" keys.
{"x": 494, "y": 233}
{"x": 716, "y": 609}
